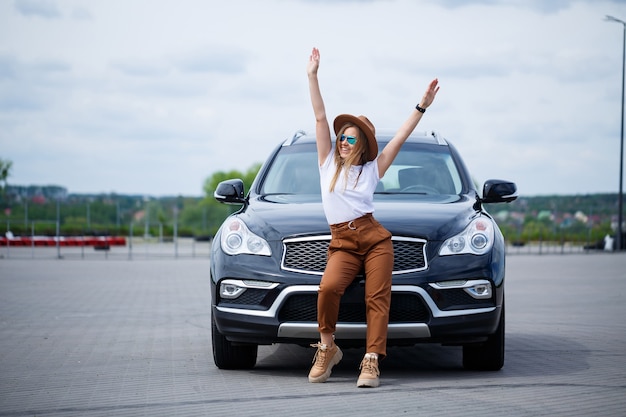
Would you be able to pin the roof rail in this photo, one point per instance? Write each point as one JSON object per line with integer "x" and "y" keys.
{"x": 440, "y": 140}
{"x": 294, "y": 138}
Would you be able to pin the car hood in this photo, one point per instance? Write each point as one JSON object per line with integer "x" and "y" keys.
{"x": 432, "y": 218}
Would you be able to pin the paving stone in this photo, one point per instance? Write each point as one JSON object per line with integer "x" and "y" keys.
{"x": 119, "y": 337}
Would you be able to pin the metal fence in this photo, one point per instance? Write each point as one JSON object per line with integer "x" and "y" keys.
{"x": 140, "y": 243}
{"x": 138, "y": 248}
{"x": 103, "y": 246}
{"x": 549, "y": 248}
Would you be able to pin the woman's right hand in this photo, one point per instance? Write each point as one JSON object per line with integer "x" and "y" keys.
{"x": 314, "y": 62}
{"x": 322, "y": 129}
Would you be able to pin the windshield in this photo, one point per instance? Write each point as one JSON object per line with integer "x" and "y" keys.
{"x": 416, "y": 170}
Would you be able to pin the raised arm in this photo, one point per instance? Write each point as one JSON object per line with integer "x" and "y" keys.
{"x": 322, "y": 129}
{"x": 390, "y": 151}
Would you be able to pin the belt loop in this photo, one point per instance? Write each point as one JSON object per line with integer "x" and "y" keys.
{"x": 351, "y": 225}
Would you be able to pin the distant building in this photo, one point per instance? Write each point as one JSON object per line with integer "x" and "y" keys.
{"x": 36, "y": 193}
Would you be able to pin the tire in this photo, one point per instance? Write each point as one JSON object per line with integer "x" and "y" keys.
{"x": 488, "y": 356}
{"x": 229, "y": 356}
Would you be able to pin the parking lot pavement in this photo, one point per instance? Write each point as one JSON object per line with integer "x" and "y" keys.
{"x": 130, "y": 338}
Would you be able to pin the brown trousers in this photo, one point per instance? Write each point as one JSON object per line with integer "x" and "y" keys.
{"x": 365, "y": 244}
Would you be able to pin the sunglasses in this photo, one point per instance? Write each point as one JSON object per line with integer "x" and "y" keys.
{"x": 351, "y": 139}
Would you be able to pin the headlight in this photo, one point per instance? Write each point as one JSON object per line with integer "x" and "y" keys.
{"x": 476, "y": 239}
{"x": 238, "y": 239}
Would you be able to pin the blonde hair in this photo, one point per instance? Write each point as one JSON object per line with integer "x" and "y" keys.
{"x": 359, "y": 156}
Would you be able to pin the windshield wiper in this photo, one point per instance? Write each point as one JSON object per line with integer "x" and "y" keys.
{"x": 399, "y": 193}
{"x": 278, "y": 194}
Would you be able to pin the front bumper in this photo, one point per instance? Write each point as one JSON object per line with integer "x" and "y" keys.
{"x": 447, "y": 315}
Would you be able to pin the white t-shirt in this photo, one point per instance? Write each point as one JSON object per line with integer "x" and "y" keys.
{"x": 348, "y": 203}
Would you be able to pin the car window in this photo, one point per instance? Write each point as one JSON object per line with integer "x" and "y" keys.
{"x": 293, "y": 171}
{"x": 416, "y": 170}
{"x": 421, "y": 171}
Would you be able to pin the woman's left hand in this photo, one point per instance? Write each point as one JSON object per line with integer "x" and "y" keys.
{"x": 430, "y": 93}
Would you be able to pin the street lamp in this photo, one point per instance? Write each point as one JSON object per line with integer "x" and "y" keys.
{"x": 618, "y": 241}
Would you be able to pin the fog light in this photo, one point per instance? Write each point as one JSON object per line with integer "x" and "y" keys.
{"x": 449, "y": 284}
{"x": 233, "y": 288}
{"x": 229, "y": 290}
{"x": 480, "y": 290}
{"x": 250, "y": 283}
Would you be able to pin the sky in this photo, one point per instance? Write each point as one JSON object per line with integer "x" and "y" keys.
{"x": 152, "y": 97}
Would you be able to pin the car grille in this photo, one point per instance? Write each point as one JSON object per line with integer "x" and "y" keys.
{"x": 405, "y": 308}
{"x": 308, "y": 255}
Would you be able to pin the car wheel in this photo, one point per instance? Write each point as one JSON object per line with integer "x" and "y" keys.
{"x": 488, "y": 356}
{"x": 229, "y": 356}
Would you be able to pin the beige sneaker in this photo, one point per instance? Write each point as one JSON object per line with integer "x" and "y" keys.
{"x": 369, "y": 372}
{"x": 323, "y": 361}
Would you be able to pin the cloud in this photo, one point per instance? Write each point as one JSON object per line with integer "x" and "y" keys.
{"x": 37, "y": 8}
{"x": 8, "y": 67}
{"x": 214, "y": 60}
{"x": 81, "y": 13}
{"x": 542, "y": 6}
{"x": 141, "y": 69}
{"x": 29, "y": 86}
{"x": 14, "y": 101}
{"x": 127, "y": 93}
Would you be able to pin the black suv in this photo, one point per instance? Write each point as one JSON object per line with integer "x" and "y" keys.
{"x": 267, "y": 258}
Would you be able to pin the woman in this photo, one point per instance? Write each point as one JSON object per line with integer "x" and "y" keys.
{"x": 349, "y": 172}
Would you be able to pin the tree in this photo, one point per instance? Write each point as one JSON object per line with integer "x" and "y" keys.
{"x": 211, "y": 183}
{"x": 5, "y": 172}
{"x": 214, "y": 212}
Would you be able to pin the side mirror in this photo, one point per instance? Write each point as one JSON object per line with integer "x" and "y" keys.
{"x": 496, "y": 191}
{"x": 230, "y": 192}
{"x": 499, "y": 191}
